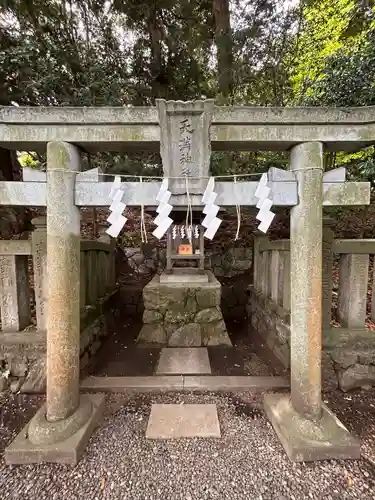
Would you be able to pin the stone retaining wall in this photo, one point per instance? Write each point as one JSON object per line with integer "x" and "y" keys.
{"x": 234, "y": 298}
{"x": 271, "y": 322}
{"x": 348, "y": 359}
{"x": 130, "y": 300}
{"x": 23, "y": 354}
{"x": 233, "y": 261}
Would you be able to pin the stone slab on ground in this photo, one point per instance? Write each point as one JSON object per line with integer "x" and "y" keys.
{"x": 173, "y": 421}
{"x": 22, "y": 451}
{"x": 305, "y": 440}
{"x": 183, "y": 360}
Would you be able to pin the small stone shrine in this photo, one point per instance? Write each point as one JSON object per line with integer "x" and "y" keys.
{"x": 182, "y": 305}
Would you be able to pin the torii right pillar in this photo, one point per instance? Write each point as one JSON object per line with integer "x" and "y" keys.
{"x": 307, "y": 429}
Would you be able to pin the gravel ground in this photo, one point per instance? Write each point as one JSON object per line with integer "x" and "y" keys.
{"x": 248, "y": 462}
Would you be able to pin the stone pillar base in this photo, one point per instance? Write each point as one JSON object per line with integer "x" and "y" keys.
{"x": 183, "y": 313}
{"x": 65, "y": 451}
{"x": 305, "y": 440}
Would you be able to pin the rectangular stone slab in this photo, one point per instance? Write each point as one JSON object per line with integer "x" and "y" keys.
{"x": 182, "y": 360}
{"x": 183, "y": 278}
{"x": 173, "y": 421}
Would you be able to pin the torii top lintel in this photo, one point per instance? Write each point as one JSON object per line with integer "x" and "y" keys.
{"x": 184, "y": 132}
{"x": 232, "y": 127}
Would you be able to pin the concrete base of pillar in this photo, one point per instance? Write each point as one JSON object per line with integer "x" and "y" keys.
{"x": 67, "y": 451}
{"x": 305, "y": 440}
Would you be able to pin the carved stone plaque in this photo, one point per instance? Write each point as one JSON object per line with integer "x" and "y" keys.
{"x": 185, "y": 145}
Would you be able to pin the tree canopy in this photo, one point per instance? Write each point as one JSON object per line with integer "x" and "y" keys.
{"x": 259, "y": 52}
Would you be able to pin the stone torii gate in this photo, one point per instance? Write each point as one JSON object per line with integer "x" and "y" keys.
{"x": 306, "y": 428}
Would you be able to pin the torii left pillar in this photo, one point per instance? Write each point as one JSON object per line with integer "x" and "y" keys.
{"x": 61, "y": 428}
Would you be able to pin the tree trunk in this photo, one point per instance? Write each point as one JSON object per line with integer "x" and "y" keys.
{"x": 12, "y": 219}
{"x": 156, "y": 65}
{"x": 224, "y": 46}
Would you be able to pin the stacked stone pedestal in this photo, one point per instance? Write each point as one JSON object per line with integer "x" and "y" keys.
{"x": 185, "y": 313}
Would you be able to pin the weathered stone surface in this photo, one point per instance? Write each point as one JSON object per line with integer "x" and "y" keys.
{"x": 15, "y": 385}
{"x": 172, "y": 327}
{"x": 268, "y": 320}
{"x": 172, "y": 421}
{"x": 353, "y": 290}
{"x": 39, "y": 248}
{"x": 14, "y": 292}
{"x": 68, "y": 451}
{"x": 306, "y": 161}
{"x": 18, "y": 366}
{"x": 63, "y": 260}
{"x": 186, "y": 335}
{"x": 354, "y": 349}
{"x": 344, "y": 356}
{"x": 152, "y": 334}
{"x": 176, "y": 315}
{"x": 4, "y": 383}
{"x": 308, "y": 440}
{"x": 161, "y": 297}
{"x": 183, "y": 277}
{"x": 36, "y": 378}
{"x": 183, "y": 360}
{"x": 208, "y": 297}
{"x": 283, "y": 332}
{"x": 152, "y": 316}
{"x": 356, "y": 376}
{"x": 187, "y": 123}
{"x": 208, "y": 315}
{"x": 215, "y": 333}
{"x": 176, "y": 306}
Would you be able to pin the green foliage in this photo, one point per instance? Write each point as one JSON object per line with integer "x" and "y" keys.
{"x": 95, "y": 52}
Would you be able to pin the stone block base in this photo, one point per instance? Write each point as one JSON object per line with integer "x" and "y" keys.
{"x": 305, "y": 440}
{"x": 183, "y": 314}
{"x": 69, "y": 451}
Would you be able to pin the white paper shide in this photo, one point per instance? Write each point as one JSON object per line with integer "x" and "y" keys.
{"x": 210, "y": 222}
{"x": 162, "y": 220}
{"x": 117, "y": 207}
{"x": 263, "y": 193}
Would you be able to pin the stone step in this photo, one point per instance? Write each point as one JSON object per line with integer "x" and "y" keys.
{"x": 174, "y": 421}
{"x": 183, "y": 360}
{"x": 168, "y": 383}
